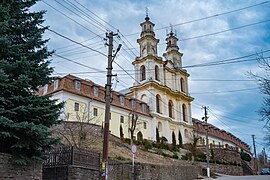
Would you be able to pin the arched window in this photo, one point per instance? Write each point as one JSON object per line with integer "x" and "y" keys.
{"x": 170, "y": 105}
{"x": 158, "y": 104}
{"x": 156, "y": 73}
{"x": 142, "y": 72}
{"x": 184, "y": 112}
{"x": 182, "y": 82}
{"x": 139, "y": 136}
{"x": 144, "y": 98}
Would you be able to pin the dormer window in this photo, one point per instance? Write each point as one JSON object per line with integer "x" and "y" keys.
{"x": 78, "y": 85}
{"x": 144, "y": 107}
{"x": 55, "y": 84}
{"x": 133, "y": 103}
{"x": 95, "y": 91}
{"x": 122, "y": 100}
{"x": 45, "y": 89}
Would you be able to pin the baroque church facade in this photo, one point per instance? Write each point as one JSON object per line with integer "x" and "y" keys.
{"x": 159, "y": 97}
{"x": 162, "y": 83}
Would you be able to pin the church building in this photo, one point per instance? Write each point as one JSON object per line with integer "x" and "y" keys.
{"x": 162, "y": 83}
{"x": 159, "y": 97}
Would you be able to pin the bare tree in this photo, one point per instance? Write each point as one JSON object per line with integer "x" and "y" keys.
{"x": 79, "y": 128}
{"x": 264, "y": 83}
{"x": 133, "y": 124}
{"x": 193, "y": 148}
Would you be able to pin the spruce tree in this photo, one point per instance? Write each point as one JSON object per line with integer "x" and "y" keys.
{"x": 180, "y": 139}
{"x": 173, "y": 141}
{"x": 25, "y": 118}
{"x": 157, "y": 136}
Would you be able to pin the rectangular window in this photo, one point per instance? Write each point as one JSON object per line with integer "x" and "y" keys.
{"x": 144, "y": 107}
{"x": 55, "y": 83}
{"x": 95, "y": 112}
{"x": 144, "y": 125}
{"x": 95, "y": 91}
{"x": 133, "y": 103}
{"x": 45, "y": 90}
{"x": 122, "y": 100}
{"x": 76, "y": 106}
{"x": 78, "y": 85}
{"x": 122, "y": 119}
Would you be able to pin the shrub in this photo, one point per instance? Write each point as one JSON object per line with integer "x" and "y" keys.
{"x": 147, "y": 145}
{"x": 245, "y": 156}
{"x": 127, "y": 140}
{"x": 175, "y": 156}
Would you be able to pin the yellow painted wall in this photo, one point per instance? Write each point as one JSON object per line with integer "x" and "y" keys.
{"x": 72, "y": 115}
{"x": 82, "y": 116}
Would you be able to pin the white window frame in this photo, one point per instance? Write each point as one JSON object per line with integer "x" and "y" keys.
{"x": 76, "y": 106}
{"x": 77, "y": 85}
{"x": 95, "y": 91}
{"x": 55, "y": 84}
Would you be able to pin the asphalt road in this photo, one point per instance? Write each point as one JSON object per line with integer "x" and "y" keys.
{"x": 258, "y": 177}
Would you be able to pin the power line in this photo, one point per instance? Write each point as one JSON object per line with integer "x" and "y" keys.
{"x": 222, "y": 80}
{"x": 81, "y": 51}
{"x": 74, "y": 41}
{"x": 226, "y": 124}
{"x": 75, "y": 48}
{"x": 71, "y": 19}
{"x": 97, "y": 24}
{"x": 220, "y": 92}
{"x": 223, "y": 31}
{"x": 63, "y": 47}
{"x": 77, "y": 63}
{"x": 95, "y": 14}
{"x": 208, "y": 17}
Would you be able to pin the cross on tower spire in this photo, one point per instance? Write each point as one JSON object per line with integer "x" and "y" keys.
{"x": 146, "y": 12}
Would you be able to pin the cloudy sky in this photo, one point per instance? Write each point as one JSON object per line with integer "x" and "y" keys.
{"x": 208, "y": 31}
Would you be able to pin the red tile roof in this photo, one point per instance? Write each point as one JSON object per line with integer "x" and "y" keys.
{"x": 200, "y": 127}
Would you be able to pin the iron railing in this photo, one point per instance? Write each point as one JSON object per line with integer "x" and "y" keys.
{"x": 64, "y": 156}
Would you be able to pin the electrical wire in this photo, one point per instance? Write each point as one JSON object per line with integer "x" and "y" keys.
{"x": 221, "y": 92}
{"x": 207, "y": 17}
{"x": 71, "y": 18}
{"x": 73, "y": 41}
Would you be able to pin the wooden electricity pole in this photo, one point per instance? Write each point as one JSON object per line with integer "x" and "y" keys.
{"x": 104, "y": 165}
{"x": 207, "y": 143}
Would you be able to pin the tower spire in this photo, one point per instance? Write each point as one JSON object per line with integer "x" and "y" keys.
{"x": 146, "y": 13}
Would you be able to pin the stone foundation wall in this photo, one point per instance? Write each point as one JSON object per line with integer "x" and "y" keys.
{"x": 79, "y": 172}
{"x": 120, "y": 171}
{"x": 10, "y": 170}
{"x": 224, "y": 169}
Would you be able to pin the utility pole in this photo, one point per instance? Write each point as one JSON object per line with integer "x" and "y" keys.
{"x": 104, "y": 165}
{"x": 207, "y": 146}
{"x": 255, "y": 160}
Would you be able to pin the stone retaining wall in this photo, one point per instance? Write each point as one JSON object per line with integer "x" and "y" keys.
{"x": 224, "y": 169}
{"x": 120, "y": 171}
{"x": 10, "y": 170}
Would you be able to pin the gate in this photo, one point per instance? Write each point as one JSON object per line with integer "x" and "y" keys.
{"x": 58, "y": 160}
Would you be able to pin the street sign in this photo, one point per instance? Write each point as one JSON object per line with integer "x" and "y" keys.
{"x": 133, "y": 148}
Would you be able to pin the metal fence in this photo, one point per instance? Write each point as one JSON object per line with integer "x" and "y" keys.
{"x": 63, "y": 156}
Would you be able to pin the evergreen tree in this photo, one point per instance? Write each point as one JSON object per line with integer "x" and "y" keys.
{"x": 25, "y": 118}
{"x": 157, "y": 136}
{"x": 180, "y": 139}
{"x": 173, "y": 141}
{"x": 121, "y": 132}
